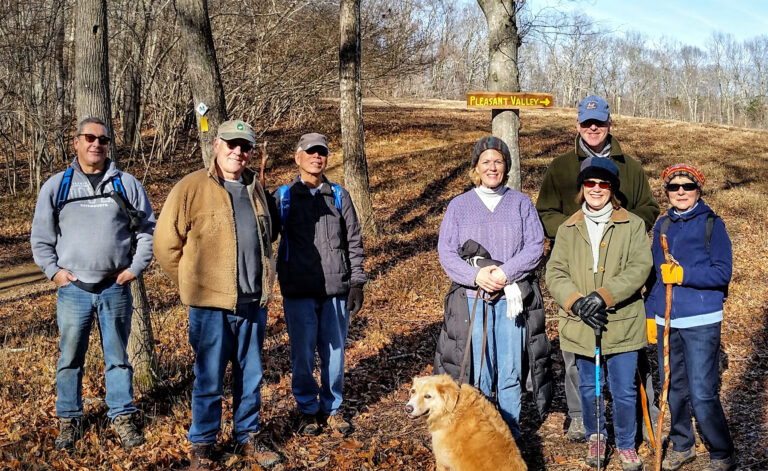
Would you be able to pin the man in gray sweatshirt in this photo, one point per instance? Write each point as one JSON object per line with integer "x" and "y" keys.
{"x": 92, "y": 235}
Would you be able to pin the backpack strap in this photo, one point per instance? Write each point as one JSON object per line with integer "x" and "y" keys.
{"x": 337, "y": 195}
{"x": 708, "y": 229}
{"x": 117, "y": 184}
{"x": 284, "y": 205}
{"x": 664, "y": 225}
{"x": 66, "y": 182}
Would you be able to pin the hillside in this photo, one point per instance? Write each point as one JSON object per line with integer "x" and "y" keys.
{"x": 418, "y": 160}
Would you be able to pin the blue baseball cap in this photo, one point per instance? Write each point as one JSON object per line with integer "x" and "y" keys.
{"x": 593, "y": 107}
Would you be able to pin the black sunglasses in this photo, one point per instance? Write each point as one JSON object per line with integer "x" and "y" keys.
{"x": 684, "y": 186}
{"x": 317, "y": 150}
{"x": 244, "y": 146}
{"x": 591, "y": 184}
{"x": 89, "y": 138}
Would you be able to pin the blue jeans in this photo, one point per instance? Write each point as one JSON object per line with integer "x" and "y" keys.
{"x": 75, "y": 309}
{"x": 694, "y": 381}
{"x": 218, "y": 336}
{"x": 503, "y": 360}
{"x": 620, "y": 369}
{"x": 317, "y": 324}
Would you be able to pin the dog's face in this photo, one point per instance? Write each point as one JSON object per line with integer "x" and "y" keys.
{"x": 432, "y": 396}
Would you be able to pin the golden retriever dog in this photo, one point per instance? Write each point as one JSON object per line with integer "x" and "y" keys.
{"x": 468, "y": 433}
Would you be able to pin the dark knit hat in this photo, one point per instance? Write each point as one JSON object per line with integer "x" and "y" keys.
{"x": 599, "y": 167}
{"x": 491, "y": 142}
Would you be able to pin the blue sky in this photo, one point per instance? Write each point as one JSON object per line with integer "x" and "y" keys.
{"x": 691, "y": 22}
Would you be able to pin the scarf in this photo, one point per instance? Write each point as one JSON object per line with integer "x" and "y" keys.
{"x": 490, "y": 196}
{"x": 595, "y": 222}
{"x": 606, "y": 152}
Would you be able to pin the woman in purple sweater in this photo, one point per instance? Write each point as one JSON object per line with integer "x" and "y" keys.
{"x": 505, "y": 223}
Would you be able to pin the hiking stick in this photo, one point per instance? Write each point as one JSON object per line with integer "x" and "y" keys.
{"x": 598, "y": 341}
{"x": 646, "y": 414}
{"x": 665, "y": 388}
{"x": 263, "y": 162}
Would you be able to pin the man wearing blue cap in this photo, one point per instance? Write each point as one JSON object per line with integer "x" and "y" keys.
{"x": 557, "y": 201}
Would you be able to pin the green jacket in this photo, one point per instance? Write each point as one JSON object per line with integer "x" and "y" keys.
{"x": 557, "y": 197}
{"x": 624, "y": 264}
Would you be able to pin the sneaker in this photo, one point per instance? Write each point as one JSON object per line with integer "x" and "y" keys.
{"x": 337, "y": 422}
{"x": 592, "y": 455}
{"x": 307, "y": 425}
{"x": 727, "y": 464}
{"x": 576, "y": 431}
{"x": 629, "y": 460}
{"x": 676, "y": 459}
{"x": 202, "y": 457}
{"x": 126, "y": 431}
{"x": 256, "y": 448}
{"x": 70, "y": 431}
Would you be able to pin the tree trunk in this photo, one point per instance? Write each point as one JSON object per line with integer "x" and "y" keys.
{"x": 202, "y": 70}
{"x": 92, "y": 99}
{"x": 504, "y": 76}
{"x": 60, "y": 75}
{"x": 92, "y": 59}
{"x": 351, "y": 111}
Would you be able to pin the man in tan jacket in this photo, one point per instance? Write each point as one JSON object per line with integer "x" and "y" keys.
{"x": 213, "y": 239}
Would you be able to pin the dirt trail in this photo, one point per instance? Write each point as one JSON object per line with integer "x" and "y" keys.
{"x": 21, "y": 279}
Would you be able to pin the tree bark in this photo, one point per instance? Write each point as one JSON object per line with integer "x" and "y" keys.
{"x": 504, "y": 76}
{"x": 92, "y": 99}
{"x": 351, "y": 113}
{"x": 92, "y": 59}
{"x": 202, "y": 70}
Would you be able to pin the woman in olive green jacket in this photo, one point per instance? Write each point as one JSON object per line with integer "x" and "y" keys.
{"x": 601, "y": 258}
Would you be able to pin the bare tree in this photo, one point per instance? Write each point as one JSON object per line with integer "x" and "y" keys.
{"x": 202, "y": 70}
{"x": 351, "y": 110}
{"x": 503, "y": 75}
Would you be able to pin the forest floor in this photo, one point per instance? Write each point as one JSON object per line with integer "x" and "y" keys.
{"x": 418, "y": 158}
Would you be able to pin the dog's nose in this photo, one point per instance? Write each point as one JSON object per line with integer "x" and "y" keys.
{"x": 409, "y": 408}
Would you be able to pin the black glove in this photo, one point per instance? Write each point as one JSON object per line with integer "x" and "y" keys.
{"x": 355, "y": 299}
{"x": 592, "y": 311}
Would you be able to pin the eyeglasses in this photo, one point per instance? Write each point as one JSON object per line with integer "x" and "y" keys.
{"x": 317, "y": 150}
{"x": 602, "y": 185}
{"x": 684, "y": 186}
{"x": 244, "y": 146}
{"x": 89, "y": 138}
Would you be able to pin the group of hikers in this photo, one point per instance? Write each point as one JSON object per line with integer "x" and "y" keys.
{"x": 94, "y": 231}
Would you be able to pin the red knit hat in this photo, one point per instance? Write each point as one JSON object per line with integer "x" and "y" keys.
{"x": 683, "y": 170}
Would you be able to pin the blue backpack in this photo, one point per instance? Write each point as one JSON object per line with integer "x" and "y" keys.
{"x": 284, "y": 205}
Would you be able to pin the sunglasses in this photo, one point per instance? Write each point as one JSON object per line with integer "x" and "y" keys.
{"x": 602, "y": 185}
{"x": 317, "y": 150}
{"x": 684, "y": 186}
{"x": 244, "y": 146}
{"x": 89, "y": 138}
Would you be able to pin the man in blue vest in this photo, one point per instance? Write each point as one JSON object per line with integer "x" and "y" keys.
{"x": 92, "y": 235}
{"x": 320, "y": 269}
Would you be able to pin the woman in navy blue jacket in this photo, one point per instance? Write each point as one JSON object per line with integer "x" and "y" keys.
{"x": 699, "y": 288}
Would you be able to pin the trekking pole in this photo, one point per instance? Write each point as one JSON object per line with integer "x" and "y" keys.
{"x": 646, "y": 414}
{"x": 263, "y": 162}
{"x": 665, "y": 388}
{"x": 598, "y": 341}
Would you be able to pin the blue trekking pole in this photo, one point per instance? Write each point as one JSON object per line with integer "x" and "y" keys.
{"x": 598, "y": 339}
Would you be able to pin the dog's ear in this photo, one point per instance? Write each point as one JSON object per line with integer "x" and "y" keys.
{"x": 450, "y": 394}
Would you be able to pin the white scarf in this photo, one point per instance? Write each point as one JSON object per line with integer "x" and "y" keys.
{"x": 595, "y": 222}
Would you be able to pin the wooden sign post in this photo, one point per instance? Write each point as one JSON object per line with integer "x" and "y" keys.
{"x": 508, "y": 101}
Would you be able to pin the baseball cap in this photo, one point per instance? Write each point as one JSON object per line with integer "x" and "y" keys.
{"x": 310, "y": 140}
{"x": 236, "y": 129}
{"x": 593, "y": 107}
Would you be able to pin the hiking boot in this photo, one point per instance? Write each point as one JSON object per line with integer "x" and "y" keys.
{"x": 70, "y": 431}
{"x": 307, "y": 425}
{"x": 592, "y": 455}
{"x": 576, "y": 431}
{"x": 126, "y": 431}
{"x": 727, "y": 464}
{"x": 202, "y": 457}
{"x": 629, "y": 460}
{"x": 337, "y": 422}
{"x": 676, "y": 459}
{"x": 256, "y": 449}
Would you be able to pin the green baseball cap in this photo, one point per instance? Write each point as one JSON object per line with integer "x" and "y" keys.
{"x": 236, "y": 129}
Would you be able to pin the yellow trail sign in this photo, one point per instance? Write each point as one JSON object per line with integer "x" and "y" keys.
{"x": 508, "y": 101}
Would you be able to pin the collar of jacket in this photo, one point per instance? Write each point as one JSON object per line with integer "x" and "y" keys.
{"x": 616, "y": 153}
{"x": 701, "y": 208}
{"x": 619, "y": 216}
{"x": 110, "y": 170}
{"x": 324, "y": 189}
{"x": 248, "y": 174}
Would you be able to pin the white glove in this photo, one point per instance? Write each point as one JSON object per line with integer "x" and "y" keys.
{"x": 514, "y": 300}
